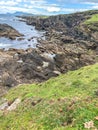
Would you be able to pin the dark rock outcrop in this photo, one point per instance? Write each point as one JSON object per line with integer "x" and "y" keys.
{"x": 9, "y": 32}
{"x": 67, "y": 28}
{"x": 73, "y": 42}
{"x": 33, "y": 65}
{"x": 20, "y": 66}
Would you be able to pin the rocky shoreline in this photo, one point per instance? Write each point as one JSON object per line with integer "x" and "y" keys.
{"x": 69, "y": 45}
{"x": 35, "y": 65}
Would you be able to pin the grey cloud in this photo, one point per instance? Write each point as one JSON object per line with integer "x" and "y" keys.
{"x": 92, "y": 1}
{"x": 78, "y": 1}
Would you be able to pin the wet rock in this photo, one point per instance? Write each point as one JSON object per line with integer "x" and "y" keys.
{"x": 21, "y": 38}
{"x": 31, "y": 38}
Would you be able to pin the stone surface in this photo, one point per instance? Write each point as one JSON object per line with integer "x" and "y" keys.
{"x": 9, "y": 32}
{"x": 4, "y": 106}
{"x": 14, "y": 105}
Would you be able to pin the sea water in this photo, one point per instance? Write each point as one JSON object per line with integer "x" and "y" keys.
{"x": 27, "y": 30}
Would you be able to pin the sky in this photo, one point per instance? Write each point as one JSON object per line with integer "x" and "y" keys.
{"x": 47, "y": 7}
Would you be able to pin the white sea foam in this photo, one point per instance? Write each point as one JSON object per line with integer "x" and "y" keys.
{"x": 4, "y": 45}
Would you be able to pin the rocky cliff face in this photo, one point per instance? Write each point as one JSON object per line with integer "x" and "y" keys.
{"x": 9, "y": 32}
{"x": 71, "y": 26}
{"x": 33, "y": 65}
{"x": 74, "y": 42}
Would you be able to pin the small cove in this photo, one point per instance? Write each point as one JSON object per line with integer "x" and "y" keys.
{"x": 29, "y": 32}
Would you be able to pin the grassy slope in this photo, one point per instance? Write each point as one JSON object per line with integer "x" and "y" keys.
{"x": 66, "y": 103}
{"x": 93, "y": 19}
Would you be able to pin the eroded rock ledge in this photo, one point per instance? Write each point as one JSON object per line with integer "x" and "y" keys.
{"x": 9, "y": 32}
{"x": 34, "y": 65}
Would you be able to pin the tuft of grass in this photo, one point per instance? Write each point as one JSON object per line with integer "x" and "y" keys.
{"x": 62, "y": 103}
{"x": 43, "y": 16}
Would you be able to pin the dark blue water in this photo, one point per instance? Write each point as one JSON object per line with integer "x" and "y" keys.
{"x": 22, "y": 27}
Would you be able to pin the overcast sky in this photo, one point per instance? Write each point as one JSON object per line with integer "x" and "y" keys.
{"x": 48, "y": 7}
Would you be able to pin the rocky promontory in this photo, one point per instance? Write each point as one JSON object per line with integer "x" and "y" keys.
{"x": 9, "y": 32}
{"x": 65, "y": 30}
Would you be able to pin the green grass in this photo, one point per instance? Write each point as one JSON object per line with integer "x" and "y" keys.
{"x": 66, "y": 103}
{"x": 93, "y": 19}
{"x": 43, "y": 16}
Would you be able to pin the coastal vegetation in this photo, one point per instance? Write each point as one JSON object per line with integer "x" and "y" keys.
{"x": 66, "y": 102}
{"x": 93, "y": 19}
{"x": 53, "y": 86}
